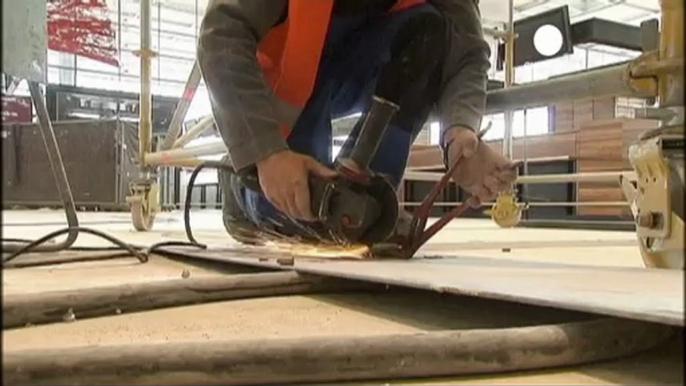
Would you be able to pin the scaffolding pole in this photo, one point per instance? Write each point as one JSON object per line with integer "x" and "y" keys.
{"x": 612, "y": 80}
{"x": 509, "y": 79}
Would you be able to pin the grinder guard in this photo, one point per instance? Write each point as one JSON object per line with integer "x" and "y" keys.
{"x": 355, "y": 213}
{"x": 350, "y": 212}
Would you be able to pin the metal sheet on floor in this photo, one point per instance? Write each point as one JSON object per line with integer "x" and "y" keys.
{"x": 654, "y": 295}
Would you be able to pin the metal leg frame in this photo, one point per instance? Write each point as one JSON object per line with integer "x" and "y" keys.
{"x": 58, "y": 172}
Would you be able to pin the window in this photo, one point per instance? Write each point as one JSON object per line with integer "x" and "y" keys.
{"x": 172, "y": 68}
{"x": 434, "y": 133}
{"x": 200, "y": 106}
{"x": 167, "y": 88}
{"x": 535, "y": 120}
{"x": 334, "y": 152}
{"x": 93, "y": 79}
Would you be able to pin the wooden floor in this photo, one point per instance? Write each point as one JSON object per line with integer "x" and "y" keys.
{"x": 363, "y": 314}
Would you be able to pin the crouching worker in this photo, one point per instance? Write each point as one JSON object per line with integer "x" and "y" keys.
{"x": 279, "y": 71}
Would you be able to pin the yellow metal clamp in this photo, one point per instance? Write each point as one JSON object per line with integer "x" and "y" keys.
{"x": 506, "y": 212}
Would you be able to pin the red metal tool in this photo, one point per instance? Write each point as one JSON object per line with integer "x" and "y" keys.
{"x": 418, "y": 234}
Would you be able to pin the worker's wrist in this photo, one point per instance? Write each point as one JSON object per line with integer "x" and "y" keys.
{"x": 449, "y": 134}
{"x": 448, "y": 137}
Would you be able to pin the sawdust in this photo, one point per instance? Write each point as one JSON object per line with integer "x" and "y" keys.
{"x": 286, "y": 317}
{"x": 96, "y": 274}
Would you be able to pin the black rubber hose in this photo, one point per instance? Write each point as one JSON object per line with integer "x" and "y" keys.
{"x": 157, "y": 248}
{"x": 189, "y": 192}
{"x": 187, "y": 204}
{"x": 81, "y": 258}
{"x": 335, "y": 358}
{"x": 19, "y": 310}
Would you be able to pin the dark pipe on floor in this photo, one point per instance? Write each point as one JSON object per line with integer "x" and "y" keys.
{"x": 334, "y": 358}
{"x": 49, "y": 307}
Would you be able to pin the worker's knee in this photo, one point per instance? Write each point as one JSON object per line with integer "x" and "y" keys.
{"x": 420, "y": 42}
{"x": 417, "y": 51}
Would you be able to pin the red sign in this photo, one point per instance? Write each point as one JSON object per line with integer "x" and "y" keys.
{"x": 16, "y": 109}
{"x": 82, "y": 27}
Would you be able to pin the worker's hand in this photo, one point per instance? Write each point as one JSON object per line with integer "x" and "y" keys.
{"x": 284, "y": 181}
{"x": 483, "y": 172}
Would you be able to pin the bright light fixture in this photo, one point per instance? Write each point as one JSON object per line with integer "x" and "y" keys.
{"x": 548, "y": 40}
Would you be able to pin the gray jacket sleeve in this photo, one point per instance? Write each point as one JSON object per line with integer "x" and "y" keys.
{"x": 242, "y": 102}
{"x": 463, "y": 100}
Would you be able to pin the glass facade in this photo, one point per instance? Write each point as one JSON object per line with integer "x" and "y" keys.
{"x": 174, "y": 31}
{"x": 174, "y": 27}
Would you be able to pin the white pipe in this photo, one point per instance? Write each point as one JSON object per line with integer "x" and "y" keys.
{"x": 182, "y": 107}
{"x": 509, "y": 80}
{"x": 577, "y": 177}
{"x": 532, "y": 204}
{"x": 145, "y": 104}
{"x": 495, "y": 33}
{"x": 192, "y": 133}
{"x": 540, "y": 179}
{"x": 530, "y": 161}
{"x": 167, "y": 157}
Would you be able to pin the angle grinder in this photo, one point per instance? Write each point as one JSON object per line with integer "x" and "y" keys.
{"x": 357, "y": 206}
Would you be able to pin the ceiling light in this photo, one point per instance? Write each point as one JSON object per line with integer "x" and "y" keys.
{"x": 548, "y": 40}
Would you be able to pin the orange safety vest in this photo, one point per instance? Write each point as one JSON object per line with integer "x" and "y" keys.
{"x": 290, "y": 52}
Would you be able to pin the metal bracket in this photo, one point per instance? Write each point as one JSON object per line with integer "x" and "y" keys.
{"x": 653, "y": 208}
{"x": 629, "y": 191}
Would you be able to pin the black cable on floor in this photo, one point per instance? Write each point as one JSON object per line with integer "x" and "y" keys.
{"x": 13, "y": 240}
{"x": 141, "y": 253}
{"x": 189, "y": 192}
{"x": 156, "y": 248}
{"x": 187, "y": 203}
{"x": 122, "y": 245}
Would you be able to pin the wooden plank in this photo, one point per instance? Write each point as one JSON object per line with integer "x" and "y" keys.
{"x": 540, "y": 146}
{"x": 563, "y": 117}
{"x": 554, "y": 144}
{"x": 583, "y": 112}
{"x": 604, "y": 108}
{"x": 597, "y": 194}
{"x": 654, "y": 295}
{"x": 600, "y": 148}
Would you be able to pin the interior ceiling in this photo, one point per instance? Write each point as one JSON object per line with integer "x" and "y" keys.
{"x": 495, "y": 12}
